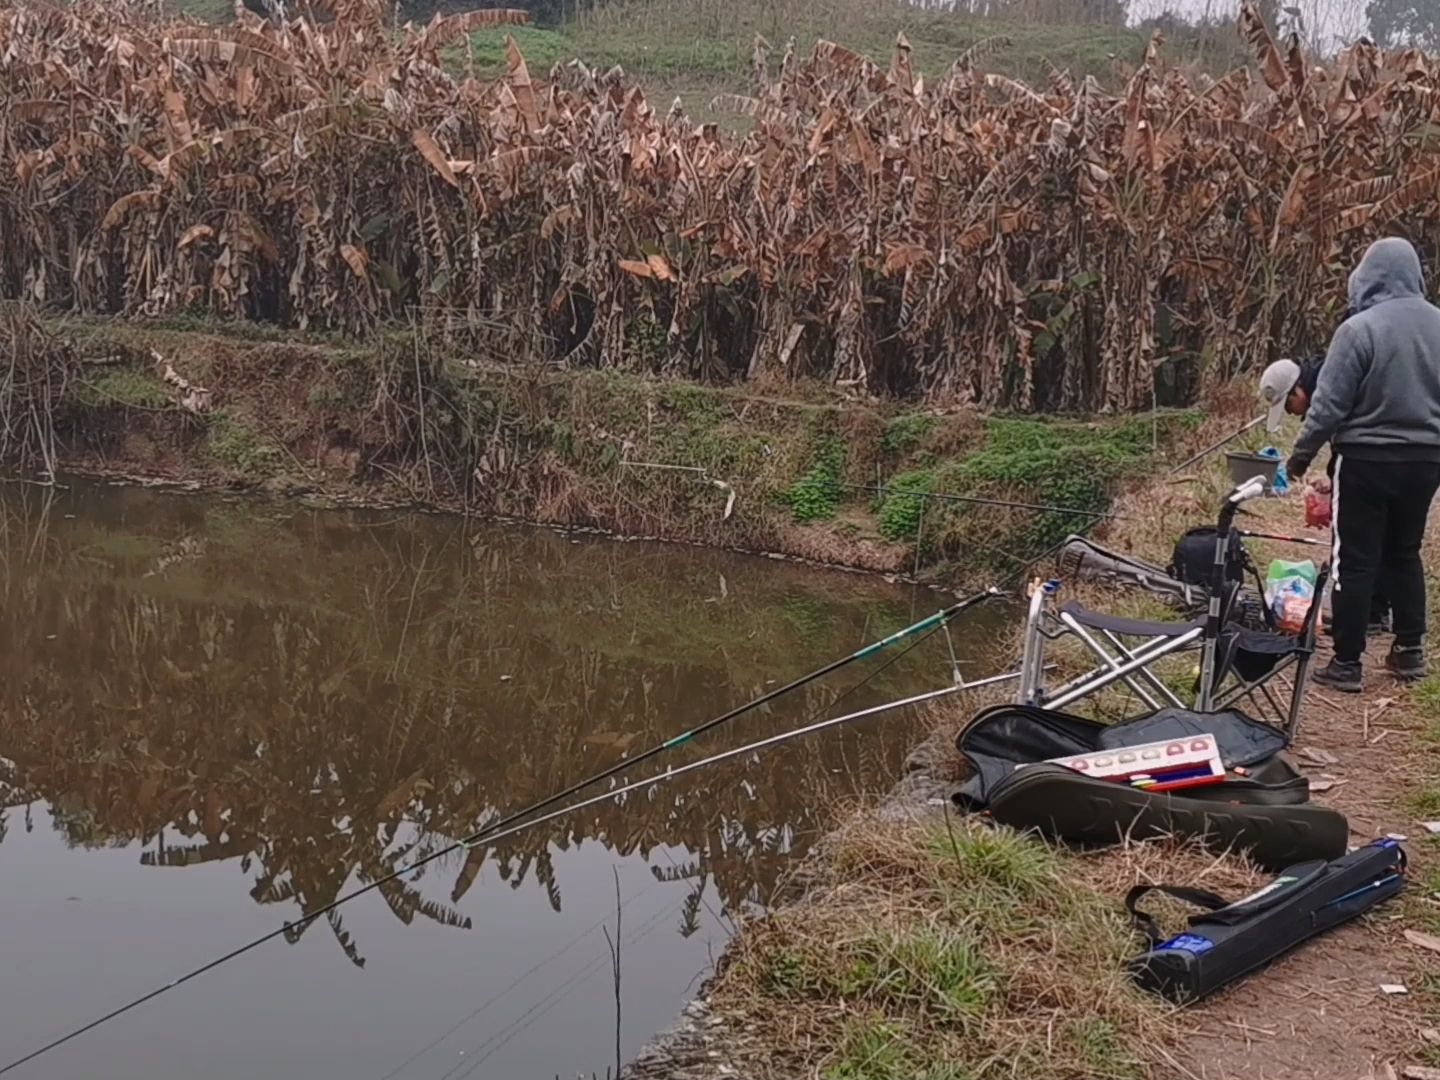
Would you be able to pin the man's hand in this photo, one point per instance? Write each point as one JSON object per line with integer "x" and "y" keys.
{"x": 1296, "y": 466}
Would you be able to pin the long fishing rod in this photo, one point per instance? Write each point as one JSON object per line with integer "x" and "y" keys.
{"x": 509, "y": 824}
{"x": 1308, "y": 541}
{"x": 751, "y": 748}
{"x": 1217, "y": 445}
{"x": 977, "y": 500}
{"x": 833, "y": 702}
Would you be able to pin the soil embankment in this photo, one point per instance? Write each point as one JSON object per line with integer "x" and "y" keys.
{"x": 811, "y": 474}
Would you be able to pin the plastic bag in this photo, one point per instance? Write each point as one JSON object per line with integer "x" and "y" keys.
{"x": 1281, "y": 484}
{"x": 1318, "y": 513}
{"x": 1289, "y": 591}
{"x": 1317, "y": 508}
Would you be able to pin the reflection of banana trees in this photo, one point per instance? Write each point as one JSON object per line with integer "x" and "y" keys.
{"x": 358, "y": 694}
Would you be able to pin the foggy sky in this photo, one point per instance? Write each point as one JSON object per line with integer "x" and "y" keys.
{"x": 1328, "y": 21}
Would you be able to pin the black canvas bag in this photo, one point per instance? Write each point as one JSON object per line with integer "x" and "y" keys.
{"x": 1193, "y": 558}
{"x": 1231, "y": 940}
{"x": 1264, "y": 812}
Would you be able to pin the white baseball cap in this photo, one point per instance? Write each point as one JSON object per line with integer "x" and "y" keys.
{"x": 1275, "y": 386}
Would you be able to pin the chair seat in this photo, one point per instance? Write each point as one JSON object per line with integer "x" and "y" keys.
{"x": 1115, "y": 624}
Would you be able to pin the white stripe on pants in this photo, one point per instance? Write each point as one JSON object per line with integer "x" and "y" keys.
{"x": 1335, "y": 525}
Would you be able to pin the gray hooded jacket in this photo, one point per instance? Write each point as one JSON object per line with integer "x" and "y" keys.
{"x": 1378, "y": 397}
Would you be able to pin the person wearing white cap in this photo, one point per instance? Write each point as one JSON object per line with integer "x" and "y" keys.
{"x": 1287, "y": 387}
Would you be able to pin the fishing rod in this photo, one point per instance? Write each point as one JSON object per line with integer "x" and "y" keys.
{"x": 1308, "y": 541}
{"x": 1217, "y": 445}
{"x": 508, "y": 825}
{"x": 748, "y": 748}
{"x": 977, "y": 500}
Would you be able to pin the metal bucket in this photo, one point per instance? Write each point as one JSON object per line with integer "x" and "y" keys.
{"x": 1245, "y": 467}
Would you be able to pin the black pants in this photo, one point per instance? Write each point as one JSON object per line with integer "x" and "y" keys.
{"x": 1379, "y": 602}
{"x": 1380, "y": 513}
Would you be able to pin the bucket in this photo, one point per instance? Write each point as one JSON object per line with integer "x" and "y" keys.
{"x": 1245, "y": 467}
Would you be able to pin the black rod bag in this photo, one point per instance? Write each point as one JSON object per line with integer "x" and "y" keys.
{"x": 1232, "y": 940}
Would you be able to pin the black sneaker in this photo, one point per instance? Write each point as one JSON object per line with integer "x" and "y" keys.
{"x": 1407, "y": 662}
{"x": 1339, "y": 675}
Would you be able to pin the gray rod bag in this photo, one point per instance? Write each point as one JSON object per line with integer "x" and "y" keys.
{"x": 1084, "y": 560}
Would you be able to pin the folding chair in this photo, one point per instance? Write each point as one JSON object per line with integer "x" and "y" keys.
{"x": 1236, "y": 662}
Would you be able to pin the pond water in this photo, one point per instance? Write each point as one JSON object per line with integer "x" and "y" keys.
{"x": 218, "y": 713}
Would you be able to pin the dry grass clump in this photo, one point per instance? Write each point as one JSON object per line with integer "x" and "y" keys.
{"x": 950, "y": 949}
{"x": 36, "y": 369}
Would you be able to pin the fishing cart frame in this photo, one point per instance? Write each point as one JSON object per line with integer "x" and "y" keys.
{"x": 1235, "y": 662}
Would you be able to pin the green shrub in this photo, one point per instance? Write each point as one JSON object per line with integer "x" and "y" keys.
{"x": 816, "y": 494}
{"x": 239, "y": 447}
{"x": 900, "y": 513}
{"x": 123, "y": 386}
{"x": 906, "y": 433}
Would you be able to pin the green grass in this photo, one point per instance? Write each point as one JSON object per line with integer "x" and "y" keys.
{"x": 703, "y": 46}
{"x": 209, "y": 11}
{"x": 542, "y": 47}
{"x": 997, "y": 858}
{"x": 1426, "y": 696}
{"x": 937, "y": 970}
{"x": 872, "y": 1050}
{"x": 240, "y": 448}
{"x": 943, "y": 950}
{"x": 125, "y": 387}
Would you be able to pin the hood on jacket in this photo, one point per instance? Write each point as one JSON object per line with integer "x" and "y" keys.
{"x": 1390, "y": 270}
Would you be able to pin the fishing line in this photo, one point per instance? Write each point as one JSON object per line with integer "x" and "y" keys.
{"x": 574, "y": 941}
{"x": 495, "y": 1042}
{"x": 516, "y": 821}
{"x": 670, "y": 774}
{"x": 493, "y": 998}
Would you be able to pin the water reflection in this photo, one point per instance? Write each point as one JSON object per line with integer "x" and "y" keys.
{"x": 322, "y": 697}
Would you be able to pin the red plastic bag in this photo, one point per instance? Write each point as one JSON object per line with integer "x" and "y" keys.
{"x": 1317, "y": 508}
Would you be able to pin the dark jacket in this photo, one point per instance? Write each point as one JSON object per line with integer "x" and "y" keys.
{"x": 1378, "y": 393}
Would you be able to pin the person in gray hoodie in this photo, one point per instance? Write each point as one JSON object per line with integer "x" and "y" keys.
{"x": 1377, "y": 403}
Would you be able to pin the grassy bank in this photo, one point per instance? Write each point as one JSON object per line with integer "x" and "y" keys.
{"x": 813, "y": 473}
{"x": 946, "y": 952}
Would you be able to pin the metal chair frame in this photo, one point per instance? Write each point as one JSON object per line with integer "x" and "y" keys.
{"x": 1131, "y": 664}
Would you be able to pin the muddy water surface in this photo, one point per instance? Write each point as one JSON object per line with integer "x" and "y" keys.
{"x": 216, "y": 714}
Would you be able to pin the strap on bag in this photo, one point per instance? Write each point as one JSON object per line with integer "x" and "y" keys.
{"x": 1146, "y": 924}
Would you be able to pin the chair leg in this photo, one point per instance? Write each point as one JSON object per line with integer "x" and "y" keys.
{"x": 1111, "y": 662}
{"x": 1297, "y": 699}
{"x": 1145, "y": 673}
{"x": 1032, "y": 659}
{"x": 1095, "y": 681}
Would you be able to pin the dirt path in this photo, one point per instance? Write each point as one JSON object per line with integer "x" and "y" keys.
{"x": 1321, "y": 1012}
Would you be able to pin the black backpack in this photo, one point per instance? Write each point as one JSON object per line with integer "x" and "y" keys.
{"x": 1193, "y": 560}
